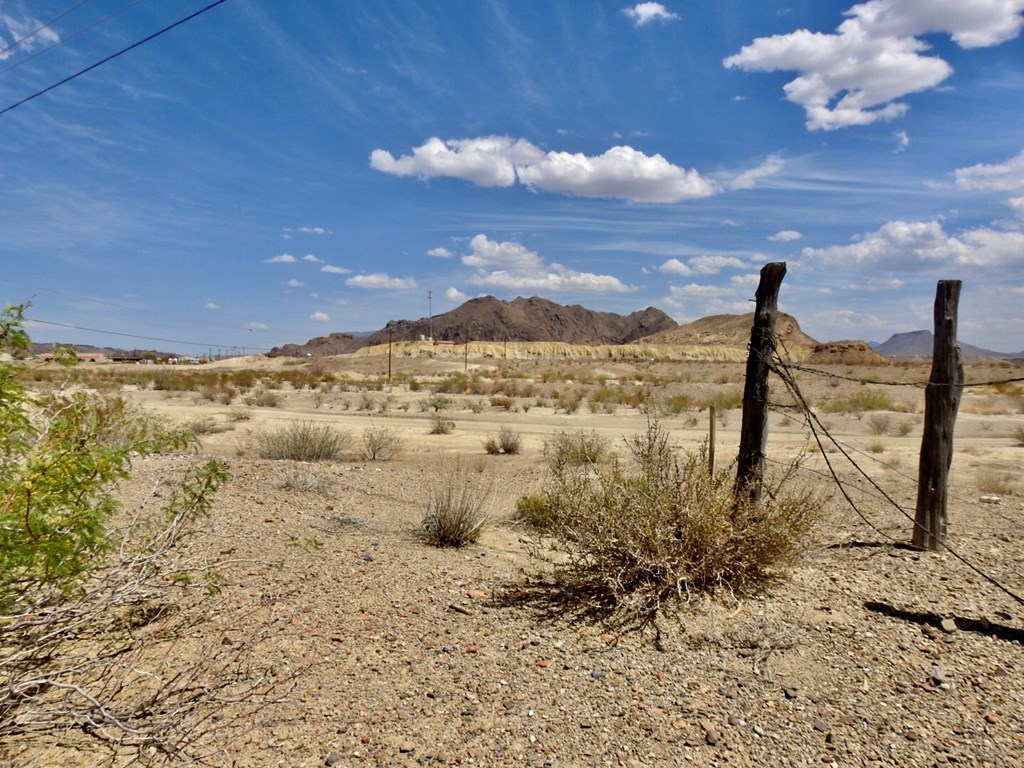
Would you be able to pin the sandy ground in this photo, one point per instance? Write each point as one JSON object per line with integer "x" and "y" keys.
{"x": 387, "y": 651}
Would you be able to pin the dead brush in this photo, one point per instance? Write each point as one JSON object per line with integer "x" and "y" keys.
{"x": 660, "y": 529}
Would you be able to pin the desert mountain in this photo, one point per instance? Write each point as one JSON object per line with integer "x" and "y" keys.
{"x": 731, "y": 330}
{"x": 920, "y": 344}
{"x": 490, "y": 319}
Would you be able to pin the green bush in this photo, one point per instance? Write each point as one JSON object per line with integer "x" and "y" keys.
{"x": 302, "y": 441}
{"x": 573, "y": 449}
{"x": 60, "y": 457}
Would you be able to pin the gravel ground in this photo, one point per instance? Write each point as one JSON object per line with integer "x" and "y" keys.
{"x": 384, "y": 651}
{"x": 402, "y": 654}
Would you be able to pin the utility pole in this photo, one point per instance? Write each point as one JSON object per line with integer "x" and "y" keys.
{"x": 430, "y": 316}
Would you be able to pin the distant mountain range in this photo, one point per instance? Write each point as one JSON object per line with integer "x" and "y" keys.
{"x": 490, "y": 319}
{"x": 921, "y": 343}
{"x": 540, "y": 320}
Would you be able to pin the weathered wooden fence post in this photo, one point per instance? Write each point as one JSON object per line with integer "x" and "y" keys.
{"x": 754, "y": 428}
{"x": 941, "y": 403}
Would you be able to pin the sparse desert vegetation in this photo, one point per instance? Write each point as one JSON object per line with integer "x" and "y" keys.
{"x": 527, "y": 565}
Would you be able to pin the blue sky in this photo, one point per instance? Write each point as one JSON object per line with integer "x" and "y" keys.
{"x": 270, "y": 172}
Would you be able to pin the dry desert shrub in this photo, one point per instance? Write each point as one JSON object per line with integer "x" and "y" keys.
{"x": 879, "y": 423}
{"x": 634, "y": 537}
{"x": 441, "y": 424}
{"x": 1018, "y": 435}
{"x": 867, "y": 399}
{"x": 302, "y": 441}
{"x": 455, "y": 510}
{"x": 380, "y": 443}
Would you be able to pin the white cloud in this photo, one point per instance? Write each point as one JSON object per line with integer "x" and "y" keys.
{"x": 283, "y": 258}
{"x": 511, "y": 266}
{"x": 642, "y": 14}
{"x": 917, "y": 244}
{"x": 621, "y": 172}
{"x": 748, "y": 179}
{"x": 311, "y": 258}
{"x": 854, "y": 77}
{"x": 785, "y": 236}
{"x": 675, "y": 267}
{"x": 257, "y": 326}
{"x": 211, "y": 305}
{"x": 489, "y": 161}
{"x": 695, "y": 291}
{"x": 455, "y": 296}
{"x": 1017, "y": 205}
{"x": 746, "y": 281}
{"x": 902, "y": 141}
{"x": 1004, "y": 177}
{"x": 293, "y": 283}
{"x": 314, "y": 230}
{"x": 440, "y": 253}
{"x": 333, "y": 270}
{"x": 380, "y": 280}
{"x": 712, "y": 265}
{"x": 320, "y": 317}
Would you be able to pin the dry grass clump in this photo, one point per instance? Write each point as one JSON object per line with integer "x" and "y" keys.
{"x": 455, "y": 513}
{"x": 994, "y": 481}
{"x": 659, "y": 529}
{"x": 305, "y": 482}
{"x": 302, "y": 441}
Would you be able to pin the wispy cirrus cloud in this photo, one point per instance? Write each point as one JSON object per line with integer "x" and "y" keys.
{"x": 31, "y": 33}
{"x": 877, "y": 56}
{"x": 513, "y": 267}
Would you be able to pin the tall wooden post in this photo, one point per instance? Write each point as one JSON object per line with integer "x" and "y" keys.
{"x": 941, "y": 403}
{"x": 390, "y": 331}
{"x": 754, "y": 427}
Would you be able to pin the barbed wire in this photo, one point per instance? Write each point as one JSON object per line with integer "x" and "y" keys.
{"x": 913, "y": 384}
{"x": 782, "y": 368}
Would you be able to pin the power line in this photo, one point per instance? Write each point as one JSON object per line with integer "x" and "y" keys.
{"x": 42, "y": 289}
{"x": 111, "y": 57}
{"x": 41, "y": 27}
{"x": 131, "y": 335}
{"x": 69, "y": 38}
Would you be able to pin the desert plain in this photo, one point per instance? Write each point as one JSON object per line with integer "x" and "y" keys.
{"x": 353, "y": 642}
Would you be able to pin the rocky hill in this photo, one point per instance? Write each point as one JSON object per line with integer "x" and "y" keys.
{"x": 920, "y": 344}
{"x": 490, "y": 319}
{"x": 731, "y": 330}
